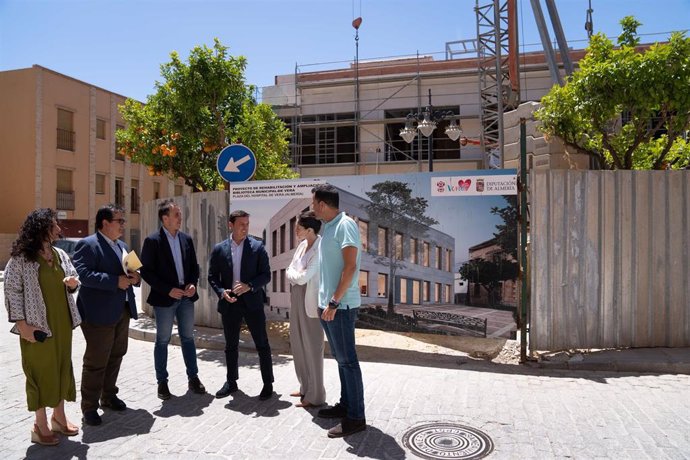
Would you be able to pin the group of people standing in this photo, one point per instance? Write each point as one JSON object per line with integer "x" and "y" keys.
{"x": 40, "y": 280}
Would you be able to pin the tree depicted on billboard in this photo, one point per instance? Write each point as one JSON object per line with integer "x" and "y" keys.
{"x": 393, "y": 207}
{"x": 625, "y": 107}
{"x": 500, "y": 265}
{"x": 200, "y": 107}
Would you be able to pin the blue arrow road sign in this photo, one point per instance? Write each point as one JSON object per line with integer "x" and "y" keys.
{"x": 236, "y": 163}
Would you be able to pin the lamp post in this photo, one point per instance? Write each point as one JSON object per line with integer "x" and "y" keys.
{"x": 426, "y": 124}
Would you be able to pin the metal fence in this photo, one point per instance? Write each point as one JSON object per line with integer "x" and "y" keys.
{"x": 610, "y": 259}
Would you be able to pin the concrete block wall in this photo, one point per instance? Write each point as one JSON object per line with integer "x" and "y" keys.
{"x": 541, "y": 153}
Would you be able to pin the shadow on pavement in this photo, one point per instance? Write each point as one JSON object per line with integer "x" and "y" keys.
{"x": 374, "y": 443}
{"x": 248, "y": 359}
{"x": 187, "y": 405}
{"x": 66, "y": 449}
{"x": 248, "y": 405}
{"x": 118, "y": 425}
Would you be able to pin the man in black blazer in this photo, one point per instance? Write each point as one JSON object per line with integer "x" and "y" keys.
{"x": 170, "y": 267}
{"x": 238, "y": 271}
{"x": 106, "y": 303}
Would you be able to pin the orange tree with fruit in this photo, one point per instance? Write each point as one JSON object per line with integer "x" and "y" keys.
{"x": 198, "y": 108}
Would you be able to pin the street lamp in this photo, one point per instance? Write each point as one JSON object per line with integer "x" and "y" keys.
{"x": 426, "y": 124}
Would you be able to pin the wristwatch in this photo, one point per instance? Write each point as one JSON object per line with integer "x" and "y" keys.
{"x": 333, "y": 304}
{"x": 251, "y": 288}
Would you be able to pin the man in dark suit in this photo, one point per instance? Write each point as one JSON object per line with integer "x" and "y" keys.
{"x": 106, "y": 303}
{"x": 238, "y": 271}
{"x": 169, "y": 266}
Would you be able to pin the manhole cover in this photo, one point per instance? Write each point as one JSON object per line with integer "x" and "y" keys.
{"x": 448, "y": 441}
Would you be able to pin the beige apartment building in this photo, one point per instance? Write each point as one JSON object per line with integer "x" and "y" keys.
{"x": 59, "y": 151}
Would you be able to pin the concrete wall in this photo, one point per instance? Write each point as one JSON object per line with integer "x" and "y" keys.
{"x": 205, "y": 219}
{"x": 610, "y": 258}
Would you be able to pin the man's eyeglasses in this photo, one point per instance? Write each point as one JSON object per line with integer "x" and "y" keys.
{"x": 119, "y": 221}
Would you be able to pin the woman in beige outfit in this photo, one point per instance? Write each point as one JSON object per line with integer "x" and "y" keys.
{"x": 306, "y": 333}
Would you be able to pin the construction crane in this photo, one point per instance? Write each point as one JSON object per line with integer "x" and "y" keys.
{"x": 498, "y": 52}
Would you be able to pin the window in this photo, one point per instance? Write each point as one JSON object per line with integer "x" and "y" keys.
{"x": 282, "y": 238}
{"x": 119, "y": 149}
{"x": 382, "y": 249}
{"x": 119, "y": 192}
{"x": 65, "y": 194}
{"x": 398, "y": 246}
{"x": 364, "y": 234}
{"x": 293, "y": 222}
{"x": 363, "y": 283}
{"x": 65, "y": 130}
{"x": 100, "y": 184}
{"x": 382, "y": 285}
{"x": 274, "y": 243}
{"x": 326, "y": 139}
{"x": 414, "y": 257}
{"x": 415, "y": 291}
{"x": 100, "y": 128}
{"x": 449, "y": 260}
{"x": 448, "y": 296}
{"x": 437, "y": 292}
{"x": 282, "y": 280}
{"x": 134, "y": 196}
{"x": 156, "y": 190}
{"x": 179, "y": 189}
{"x": 437, "y": 254}
{"x": 425, "y": 254}
{"x": 403, "y": 290}
{"x": 427, "y": 290}
{"x": 274, "y": 279}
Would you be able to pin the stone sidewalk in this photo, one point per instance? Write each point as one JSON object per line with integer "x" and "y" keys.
{"x": 527, "y": 412}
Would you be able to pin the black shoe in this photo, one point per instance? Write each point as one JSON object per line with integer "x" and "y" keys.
{"x": 228, "y": 387}
{"x": 92, "y": 418}
{"x": 196, "y": 386}
{"x": 114, "y": 403}
{"x": 337, "y": 411}
{"x": 163, "y": 391}
{"x": 266, "y": 392}
{"x": 347, "y": 427}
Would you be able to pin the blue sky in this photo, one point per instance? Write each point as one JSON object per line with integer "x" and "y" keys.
{"x": 120, "y": 44}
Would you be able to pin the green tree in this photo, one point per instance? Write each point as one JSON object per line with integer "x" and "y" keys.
{"x": 392, "y": 206}
{"x": 200, "y": 107}
{"x": 628, "y": 108}
{"x": 506, "y": 235}
{"x": 489, "y": 274}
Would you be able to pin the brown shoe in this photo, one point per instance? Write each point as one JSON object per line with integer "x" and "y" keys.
{"x": 347, "y": 427}
{"x": 44, "y": 440}
{"x": 60, "y": 428}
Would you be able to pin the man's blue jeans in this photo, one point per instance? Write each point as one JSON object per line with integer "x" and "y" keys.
{"x": 183, "y": 310}
{"x": 341, "y": 339}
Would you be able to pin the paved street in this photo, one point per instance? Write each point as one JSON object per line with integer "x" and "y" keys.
{"x": 528, "y": 413}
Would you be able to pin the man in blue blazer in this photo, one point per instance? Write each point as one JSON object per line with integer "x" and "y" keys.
{"x": 171, "y": 269}
{"x": 238, "y": 271}
{"x": 106, "y": 303}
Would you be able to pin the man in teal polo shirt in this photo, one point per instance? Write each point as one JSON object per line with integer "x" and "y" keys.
{"x": 339, "y": 301}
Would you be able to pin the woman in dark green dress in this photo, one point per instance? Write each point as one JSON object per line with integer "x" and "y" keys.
{"x": 39, "y": 280}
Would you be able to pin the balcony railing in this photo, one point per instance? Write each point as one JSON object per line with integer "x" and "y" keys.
{"x": 65, "y": 201}
{"x": 65, "y": 139}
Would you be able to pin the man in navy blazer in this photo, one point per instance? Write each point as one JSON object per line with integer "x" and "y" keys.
{"x": 170, "y": 267}
{"x": 238, "y": 271}
{"x": 106, "y": 303}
